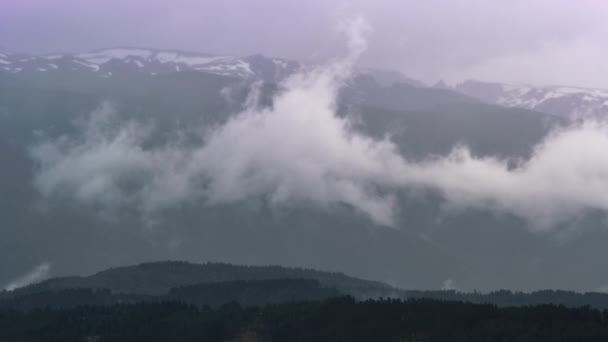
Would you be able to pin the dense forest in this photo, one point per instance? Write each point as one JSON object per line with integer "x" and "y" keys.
{"x": 335, "y": 319}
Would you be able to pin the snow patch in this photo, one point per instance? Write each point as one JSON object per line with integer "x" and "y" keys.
{"x": 174, "y": 57}
{"x": 234, "y": 67}
{"x": 95, "y": 67}
{"x": 570, "y": 90}
{"x": 103, "y": 56}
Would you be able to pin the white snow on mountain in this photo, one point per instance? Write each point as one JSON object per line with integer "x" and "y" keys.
{"x": 103, "y": 56}
{"x": 150, "y": 62}
{"x": 571, "y": 102}
{"x": 176, "y": 58}
{"x": 95, "y": 67}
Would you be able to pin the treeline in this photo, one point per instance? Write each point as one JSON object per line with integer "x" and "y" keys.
{"x": 274, "y": 291}
{"x": 336, "y": 319}
{"x": 505, "y": 298}
{"x": 253, "y": 292}
{"x": 213, "y": 294}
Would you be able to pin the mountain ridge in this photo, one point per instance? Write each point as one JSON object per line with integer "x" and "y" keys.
{"x": 157, "y": 278}
{"x": 107, "y": 62}
{"x": 571, "y": 102}
{"x": 564, "y": 101}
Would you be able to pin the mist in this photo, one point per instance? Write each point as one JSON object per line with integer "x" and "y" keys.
{"x": 40, "y": 272}
{"x": 299, "y": 151}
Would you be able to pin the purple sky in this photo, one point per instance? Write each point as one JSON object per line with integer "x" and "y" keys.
{"x": 535, "y": 41}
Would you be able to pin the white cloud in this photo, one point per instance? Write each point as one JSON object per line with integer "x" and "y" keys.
{"x": 561, "y": 181}
{"x": 298, "y": 150}
{"x": 448, "y": 285}
{"x": 39, "y": 273}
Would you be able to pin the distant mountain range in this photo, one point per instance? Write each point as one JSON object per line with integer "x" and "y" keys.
{"x": 110, "y": 62}
{"x": 570, "y": 102}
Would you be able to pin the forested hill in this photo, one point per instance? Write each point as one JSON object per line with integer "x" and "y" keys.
{"x": 216, "y": 284}
{"x": 159, "y": 278}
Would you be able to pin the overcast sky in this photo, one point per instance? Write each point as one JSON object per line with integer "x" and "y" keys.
{"x": 533, "y": 41}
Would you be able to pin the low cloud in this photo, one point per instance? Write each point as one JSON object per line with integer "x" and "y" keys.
{"x": 448, "y": 285}
{"x": 300, "y": 151}
{"x": 560, "y": 182}
{"x": 39, "y": 273}
{"x": 296, "y": 151}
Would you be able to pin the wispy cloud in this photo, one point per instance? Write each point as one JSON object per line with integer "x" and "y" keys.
{"x": 39, "y": 273}
{"x": 300, "y": 151}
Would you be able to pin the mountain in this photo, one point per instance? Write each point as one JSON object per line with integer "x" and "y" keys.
{"x": 118, "y": 62}
{"x": 211, "y": 284}
{"x": 422, "y": 252}
{"x": 386, "y": 77}
{"x": 568, "y": 102}
{"x": 108, "y": 63}
{"x": 160, "y": 278}
{"x": 427, "y": 121}
{"x": 110, "y": 67}
{"x": 421, "y": 121}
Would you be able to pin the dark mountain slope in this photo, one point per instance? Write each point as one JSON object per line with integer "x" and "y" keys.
{"x": 426, "y": 121}
{"x": 160, "y": 277}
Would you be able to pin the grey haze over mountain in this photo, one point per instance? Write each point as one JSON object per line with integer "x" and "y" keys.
{"x": 569, "y": 102}
{"x": 122, "y": 155}
{"x": 542, "y": 42}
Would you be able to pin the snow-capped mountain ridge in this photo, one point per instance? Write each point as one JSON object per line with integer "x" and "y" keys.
{"x": 104, "y": 62}
{"x": 120, "y": 63}
{"x": 566, "y": 101}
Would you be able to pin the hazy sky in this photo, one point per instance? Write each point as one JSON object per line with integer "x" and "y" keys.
{"x": 536, "y": 41}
